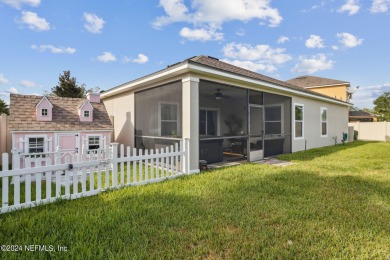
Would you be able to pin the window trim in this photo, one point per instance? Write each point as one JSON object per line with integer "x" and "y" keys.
{"x": 326, "y": 121}
{"x": 303, "y": 121}
{"x": 177, "y": 116}
{"x": 89, "y": 114}
{"x": 46, "y": 110}
{"x": 281, "y": 105}
{"x": 218, "y": 117}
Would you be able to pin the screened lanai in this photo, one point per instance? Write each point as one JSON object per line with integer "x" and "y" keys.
{"x": 241, "y": 124}
{"x": 234, "y": 123}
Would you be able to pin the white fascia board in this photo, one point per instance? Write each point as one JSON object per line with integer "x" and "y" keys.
{"x": 326, "y": 86}
{"x": 157, "y": 76}
{"x": 196, "y": 68}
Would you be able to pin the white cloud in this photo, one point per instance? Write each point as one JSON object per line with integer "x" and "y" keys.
{"x": 34, "y": 22}
{"x": 54, "y": 49}
{"x": 313, "y": 64}
{"x": 380, "y": 6}
{"x": 3, "y": 80}
{"x": 314, "y": 41}
{"x": 27, "y": 84}
{"x": 141, "y": 59}
{"x": 201, "y": 34}
{"x": 259, "y": 53}
{"x": 12, "y": 91}
{"x": 93, "y": 23}
{"x": 250, "y": 65}
{"x": 106, "y": 57}
{"x": 351, "y": 7}
{"x": 217, "y": 12}
{"x": 283, "y": 39}
{"x": 19, "y": 3}
{"x": 317, "y": 6}
{"x": 365, "y": 96}
{"x": 349, "y": 40}
{"x": 335, "y": 47}
{"x": 209, "y": 16}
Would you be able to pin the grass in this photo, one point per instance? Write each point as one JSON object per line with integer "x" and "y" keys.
{"x": 334, "y": 202}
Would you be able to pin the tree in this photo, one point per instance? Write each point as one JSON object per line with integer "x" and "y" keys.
{"x": 382, "y": 107}
{"x": 68, "y": 87}
{"x": 3, "y": 107}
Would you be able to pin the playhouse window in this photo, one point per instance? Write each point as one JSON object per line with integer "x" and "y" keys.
{"x": 86, "y": 113}
{"x": 44, "y": 112}
{"x": 35, "y": 145}
{"x": 93, "y": 142}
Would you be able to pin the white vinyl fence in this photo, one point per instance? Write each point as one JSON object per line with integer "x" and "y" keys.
{"x": 372, "y": 131}
{"x": 41, "y": 181}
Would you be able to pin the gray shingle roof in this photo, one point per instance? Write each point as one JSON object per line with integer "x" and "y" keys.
{"x": 313, "y": 81}
{"x": 224, "y": 66}
{"x": 360, "y": 113}
{"x": 65, "y": 115}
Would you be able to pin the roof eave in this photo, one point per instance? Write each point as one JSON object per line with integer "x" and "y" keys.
{"x": 148, "y": 79}
{"x": 192, "y": 66}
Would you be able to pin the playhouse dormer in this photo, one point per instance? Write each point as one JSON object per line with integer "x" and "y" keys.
{"x": 85, "y": 110}
{"x": 44, "y": 110}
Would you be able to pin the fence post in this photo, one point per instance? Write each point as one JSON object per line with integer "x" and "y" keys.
{"x": 5, "y": 181}
{"x": 186, "y": 155}
{"x": 115, "y": 164}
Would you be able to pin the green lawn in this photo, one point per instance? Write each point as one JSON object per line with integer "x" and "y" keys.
{"x": 333, "y": 202}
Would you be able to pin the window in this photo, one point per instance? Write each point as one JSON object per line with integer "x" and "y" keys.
{"x": 86, "y": 113}
{"x": 93, "y": 142}
{"x": 168, "y": 119}
{"x": 208, "y": 122}
{"x": 273, "y": 119}
{"x": 298, "y": 108}
{"x": 36, "y": 145}
{"x": 324, "y": 121}
{"x": 44, "y": 112}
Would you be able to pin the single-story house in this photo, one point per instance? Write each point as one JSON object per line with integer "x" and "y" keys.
{"x": 228, "y": 113}
{"x": 40, "y": 124}
{"x": 338, "y": 89}
{"x": 361, "y": 116}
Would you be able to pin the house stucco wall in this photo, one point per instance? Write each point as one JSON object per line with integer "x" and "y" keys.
{"x": 338, "y": 92}
{"x": 121, "y": 109}
{"x": 337, "y": 123}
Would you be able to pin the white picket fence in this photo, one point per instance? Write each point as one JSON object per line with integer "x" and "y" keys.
{"x": 41, "y": 181}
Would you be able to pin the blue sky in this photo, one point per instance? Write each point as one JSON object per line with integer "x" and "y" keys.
{"x": 106, "y": 43}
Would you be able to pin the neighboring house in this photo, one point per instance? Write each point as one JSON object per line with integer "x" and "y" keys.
{"x": 227, "y": 113}
{"x": 361, "y": 116}
{"x": 331, "y": 87}
{"x": 41, "y": 124}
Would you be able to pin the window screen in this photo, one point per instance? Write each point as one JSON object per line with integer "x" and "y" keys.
{"x": 273, "y": 120}
{"x": 158, "y": 111}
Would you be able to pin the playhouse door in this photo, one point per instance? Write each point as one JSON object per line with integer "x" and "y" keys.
{"x": 68, "y": 144}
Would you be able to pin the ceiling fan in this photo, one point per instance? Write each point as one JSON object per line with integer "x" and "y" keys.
{"x": 218, "y": 94}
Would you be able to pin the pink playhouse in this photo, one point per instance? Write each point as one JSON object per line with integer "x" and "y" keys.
{"x": 43, "y": 125}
